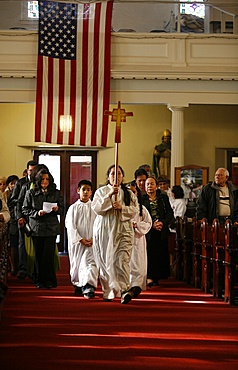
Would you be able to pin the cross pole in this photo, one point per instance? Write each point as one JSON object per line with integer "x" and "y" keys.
{"x": 118, "y": 115}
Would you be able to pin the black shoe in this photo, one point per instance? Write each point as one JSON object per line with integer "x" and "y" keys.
{"x": 48, "y": 286}
{"x": 126, "y": 297}
{"x": 22, "y": 275}
{"x": 13, "y": 272}
{"x": 136, "y": 290}
{"x": 39, "y": 286}
{"x": 78, "y": 291}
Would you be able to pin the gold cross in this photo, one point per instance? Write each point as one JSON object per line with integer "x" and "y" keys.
{"x": 118, "y": 115}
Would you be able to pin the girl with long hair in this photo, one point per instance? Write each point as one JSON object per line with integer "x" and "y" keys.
{"x": 115, "y": 206}
{"x": 142, "y": 223}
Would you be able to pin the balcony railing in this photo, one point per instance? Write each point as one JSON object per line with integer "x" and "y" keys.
{"x": 200, "y": 16}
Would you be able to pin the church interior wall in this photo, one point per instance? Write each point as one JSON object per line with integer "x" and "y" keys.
{"x": 16, "y": 128}
{"x": 205, "y": 129}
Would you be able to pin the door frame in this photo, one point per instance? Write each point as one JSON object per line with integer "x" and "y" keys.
{"x": 65, "y": 181}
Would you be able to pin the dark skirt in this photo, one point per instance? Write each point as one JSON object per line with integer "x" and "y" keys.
{"x": 158, "y": 257}
{"x": 44, "y": 260}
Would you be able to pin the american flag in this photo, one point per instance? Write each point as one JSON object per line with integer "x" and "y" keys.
{"x": 73, "y": 73}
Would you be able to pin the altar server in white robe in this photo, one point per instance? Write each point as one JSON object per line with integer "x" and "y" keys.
{"x": 113, "y": 235}
{"x": 142, "y": 224}
{"x": 79, "y": 223}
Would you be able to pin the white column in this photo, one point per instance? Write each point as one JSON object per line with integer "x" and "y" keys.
{"x": 177, "y": 141}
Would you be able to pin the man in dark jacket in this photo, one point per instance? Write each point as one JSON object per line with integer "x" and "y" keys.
{"x": 22, "y": 272}
{"x": 218, "y": 199}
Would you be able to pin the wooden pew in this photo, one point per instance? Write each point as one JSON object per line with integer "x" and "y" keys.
{"x": 187, "y": 250}
{"x": 231, "y": 263}
{"x": 218, "y": 259}
{"x": 179, "y": 248}
{"x": 196, "y": 253}
{"x": 206, "y": 256}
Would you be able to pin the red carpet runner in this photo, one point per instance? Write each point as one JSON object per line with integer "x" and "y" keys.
{"x": 173, "y": 326}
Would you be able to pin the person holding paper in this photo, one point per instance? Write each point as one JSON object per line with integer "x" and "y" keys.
{"x": 48, "y": 206}
{"x": 44, "y": 224}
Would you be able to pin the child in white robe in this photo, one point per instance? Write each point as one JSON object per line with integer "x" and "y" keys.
{"x": 79, "y": 223}
{"x": 142, "y": 223}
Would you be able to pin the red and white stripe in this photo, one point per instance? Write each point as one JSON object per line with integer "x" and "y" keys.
{"x": 81, "y": 87}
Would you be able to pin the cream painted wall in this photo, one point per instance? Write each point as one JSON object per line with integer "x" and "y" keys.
{"x": 205, "y": 129}
{"x": 16, "y": 130}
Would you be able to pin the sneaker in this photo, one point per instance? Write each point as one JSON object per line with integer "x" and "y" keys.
{"x": 126, "y": 297}
{"x": 89, "y": 295}
{"x": 88, "y": 291}
{"x": 136, "y": 290}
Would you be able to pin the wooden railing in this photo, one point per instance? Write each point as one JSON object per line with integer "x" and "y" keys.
{"x": 226, "y": 23}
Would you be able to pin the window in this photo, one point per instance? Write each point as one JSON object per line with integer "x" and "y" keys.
{"x": 193, "y": 8}
{"x": 29, "y": 11}
{"x": 33, "y": 10}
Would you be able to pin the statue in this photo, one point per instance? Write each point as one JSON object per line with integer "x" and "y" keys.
{"x": 162, "y": 156}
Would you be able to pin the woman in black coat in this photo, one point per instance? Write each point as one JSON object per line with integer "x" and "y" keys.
{"x": 44, "y": 224}
{"x": 161, "y": 213}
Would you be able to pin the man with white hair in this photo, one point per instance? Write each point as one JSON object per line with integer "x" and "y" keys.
{"x": 219, "y": 199}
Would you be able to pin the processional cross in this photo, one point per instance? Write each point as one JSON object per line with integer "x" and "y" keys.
{"x": 118, "y": 115}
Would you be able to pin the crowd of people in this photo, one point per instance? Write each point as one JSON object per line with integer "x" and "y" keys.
{"x": 118, "y": 236}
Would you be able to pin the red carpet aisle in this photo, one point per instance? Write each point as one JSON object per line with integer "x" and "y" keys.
{"x": 173, "y": 326}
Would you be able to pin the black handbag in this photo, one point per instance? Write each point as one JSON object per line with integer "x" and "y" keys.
{"x": 27, "y": 230}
